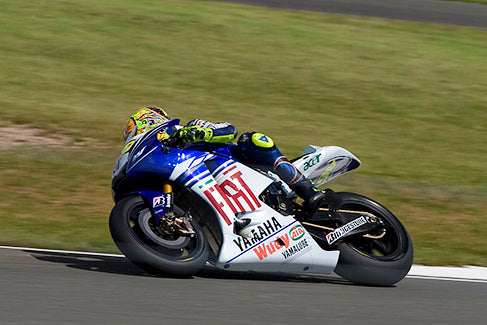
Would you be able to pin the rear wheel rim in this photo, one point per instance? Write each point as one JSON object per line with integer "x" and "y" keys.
{"x": 388, "y": 248}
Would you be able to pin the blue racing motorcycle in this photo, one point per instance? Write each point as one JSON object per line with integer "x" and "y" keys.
{"x": 181, "y": 205}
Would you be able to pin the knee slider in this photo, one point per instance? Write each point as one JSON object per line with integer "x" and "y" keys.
{"x": 257, "y": 139}
{"x": 258, "y": 148}
{"x": 262, "y": 141}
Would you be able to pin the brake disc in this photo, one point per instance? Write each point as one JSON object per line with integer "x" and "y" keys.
{"x": 144, "y": 220}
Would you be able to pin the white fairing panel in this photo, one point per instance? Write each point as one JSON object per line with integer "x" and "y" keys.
{"x": 272, "y": 242}
{"x": 275, "y": 244}
{"x": 322, "y": 164}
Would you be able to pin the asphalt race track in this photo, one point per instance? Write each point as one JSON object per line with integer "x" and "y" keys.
{"x": 434, "y": 11}
{"x": 61, "y": 288}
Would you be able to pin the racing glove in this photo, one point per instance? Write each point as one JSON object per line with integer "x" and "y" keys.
{"x": 195, "y": 134}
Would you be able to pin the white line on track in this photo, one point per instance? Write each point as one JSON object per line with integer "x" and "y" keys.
{"x": 463, "y": 274}
{"x": 60, "y": 251}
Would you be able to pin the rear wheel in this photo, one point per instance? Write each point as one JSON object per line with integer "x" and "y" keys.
{"x": 379, "y": 259}
{"x": 141, "y": 240}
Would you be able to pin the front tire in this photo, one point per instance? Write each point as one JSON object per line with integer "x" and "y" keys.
{"x": 378, "y": 262}
{"x": 130, "y": 226}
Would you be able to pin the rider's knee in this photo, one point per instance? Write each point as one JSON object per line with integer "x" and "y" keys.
{"x": 256, "y": 140}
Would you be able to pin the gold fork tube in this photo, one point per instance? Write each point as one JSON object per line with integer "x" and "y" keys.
{"x": 166, "y": 188}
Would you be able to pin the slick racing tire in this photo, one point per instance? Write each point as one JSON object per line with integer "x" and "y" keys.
{"x": 378, "y": 262}
{"x": 134, "y": 232}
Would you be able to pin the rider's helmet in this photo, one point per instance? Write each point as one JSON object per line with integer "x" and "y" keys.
{"x": 144, "y": 119}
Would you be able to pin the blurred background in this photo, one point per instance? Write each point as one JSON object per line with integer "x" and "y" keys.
{"x": 409, "y": 99}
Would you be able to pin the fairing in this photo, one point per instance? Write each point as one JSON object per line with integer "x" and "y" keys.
{"x": 322, "y": 164}
{"x": 273, "y": 242}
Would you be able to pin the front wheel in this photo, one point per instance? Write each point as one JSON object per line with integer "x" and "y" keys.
{"x": 381, "y": 261}
{"x": 136, "y": 234}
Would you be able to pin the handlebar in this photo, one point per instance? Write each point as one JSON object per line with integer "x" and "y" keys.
{"x": 174, "y": 141}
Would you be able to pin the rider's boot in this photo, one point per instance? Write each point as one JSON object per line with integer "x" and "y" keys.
{"x": 313, "y": 198}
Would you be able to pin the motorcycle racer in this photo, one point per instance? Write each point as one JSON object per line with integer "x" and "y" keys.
{"x": 252, "y": 148}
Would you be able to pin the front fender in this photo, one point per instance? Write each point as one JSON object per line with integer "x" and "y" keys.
{"x": 156, "y": 200}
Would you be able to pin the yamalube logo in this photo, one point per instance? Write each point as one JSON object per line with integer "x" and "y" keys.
{"x": 296, "y": 232}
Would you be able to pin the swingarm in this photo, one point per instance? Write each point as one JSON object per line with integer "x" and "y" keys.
{"x": 336, "y": 225}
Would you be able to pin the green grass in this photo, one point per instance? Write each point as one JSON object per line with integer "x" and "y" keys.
{"x": 409, "y": 99}
{"x": 473, "y": 1}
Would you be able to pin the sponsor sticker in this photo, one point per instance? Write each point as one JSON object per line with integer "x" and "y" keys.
{"x": 158, "y": 201}
{"x": 264, "y": 250}
{"x": 258, "y": 233}
{"x": 233, "y": 194}
{"x": 324, "y": 177}
{"x": 296, "y": 249}
{"x": 296, "y": 232}
{"x": 345, "y": 229}
{"x": 312, "y": 161}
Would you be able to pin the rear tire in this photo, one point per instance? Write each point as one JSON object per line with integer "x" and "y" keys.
{"x": 377, "y": 262}
{"x": 177, "y": 256}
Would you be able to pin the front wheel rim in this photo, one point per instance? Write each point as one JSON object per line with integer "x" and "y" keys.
{"x": 176, "y": 249}
{"x": 147, "y": 225}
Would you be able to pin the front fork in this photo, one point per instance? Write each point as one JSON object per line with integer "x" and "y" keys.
{"x": 167, "y": 191}
{"x": 170, "y": 222}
